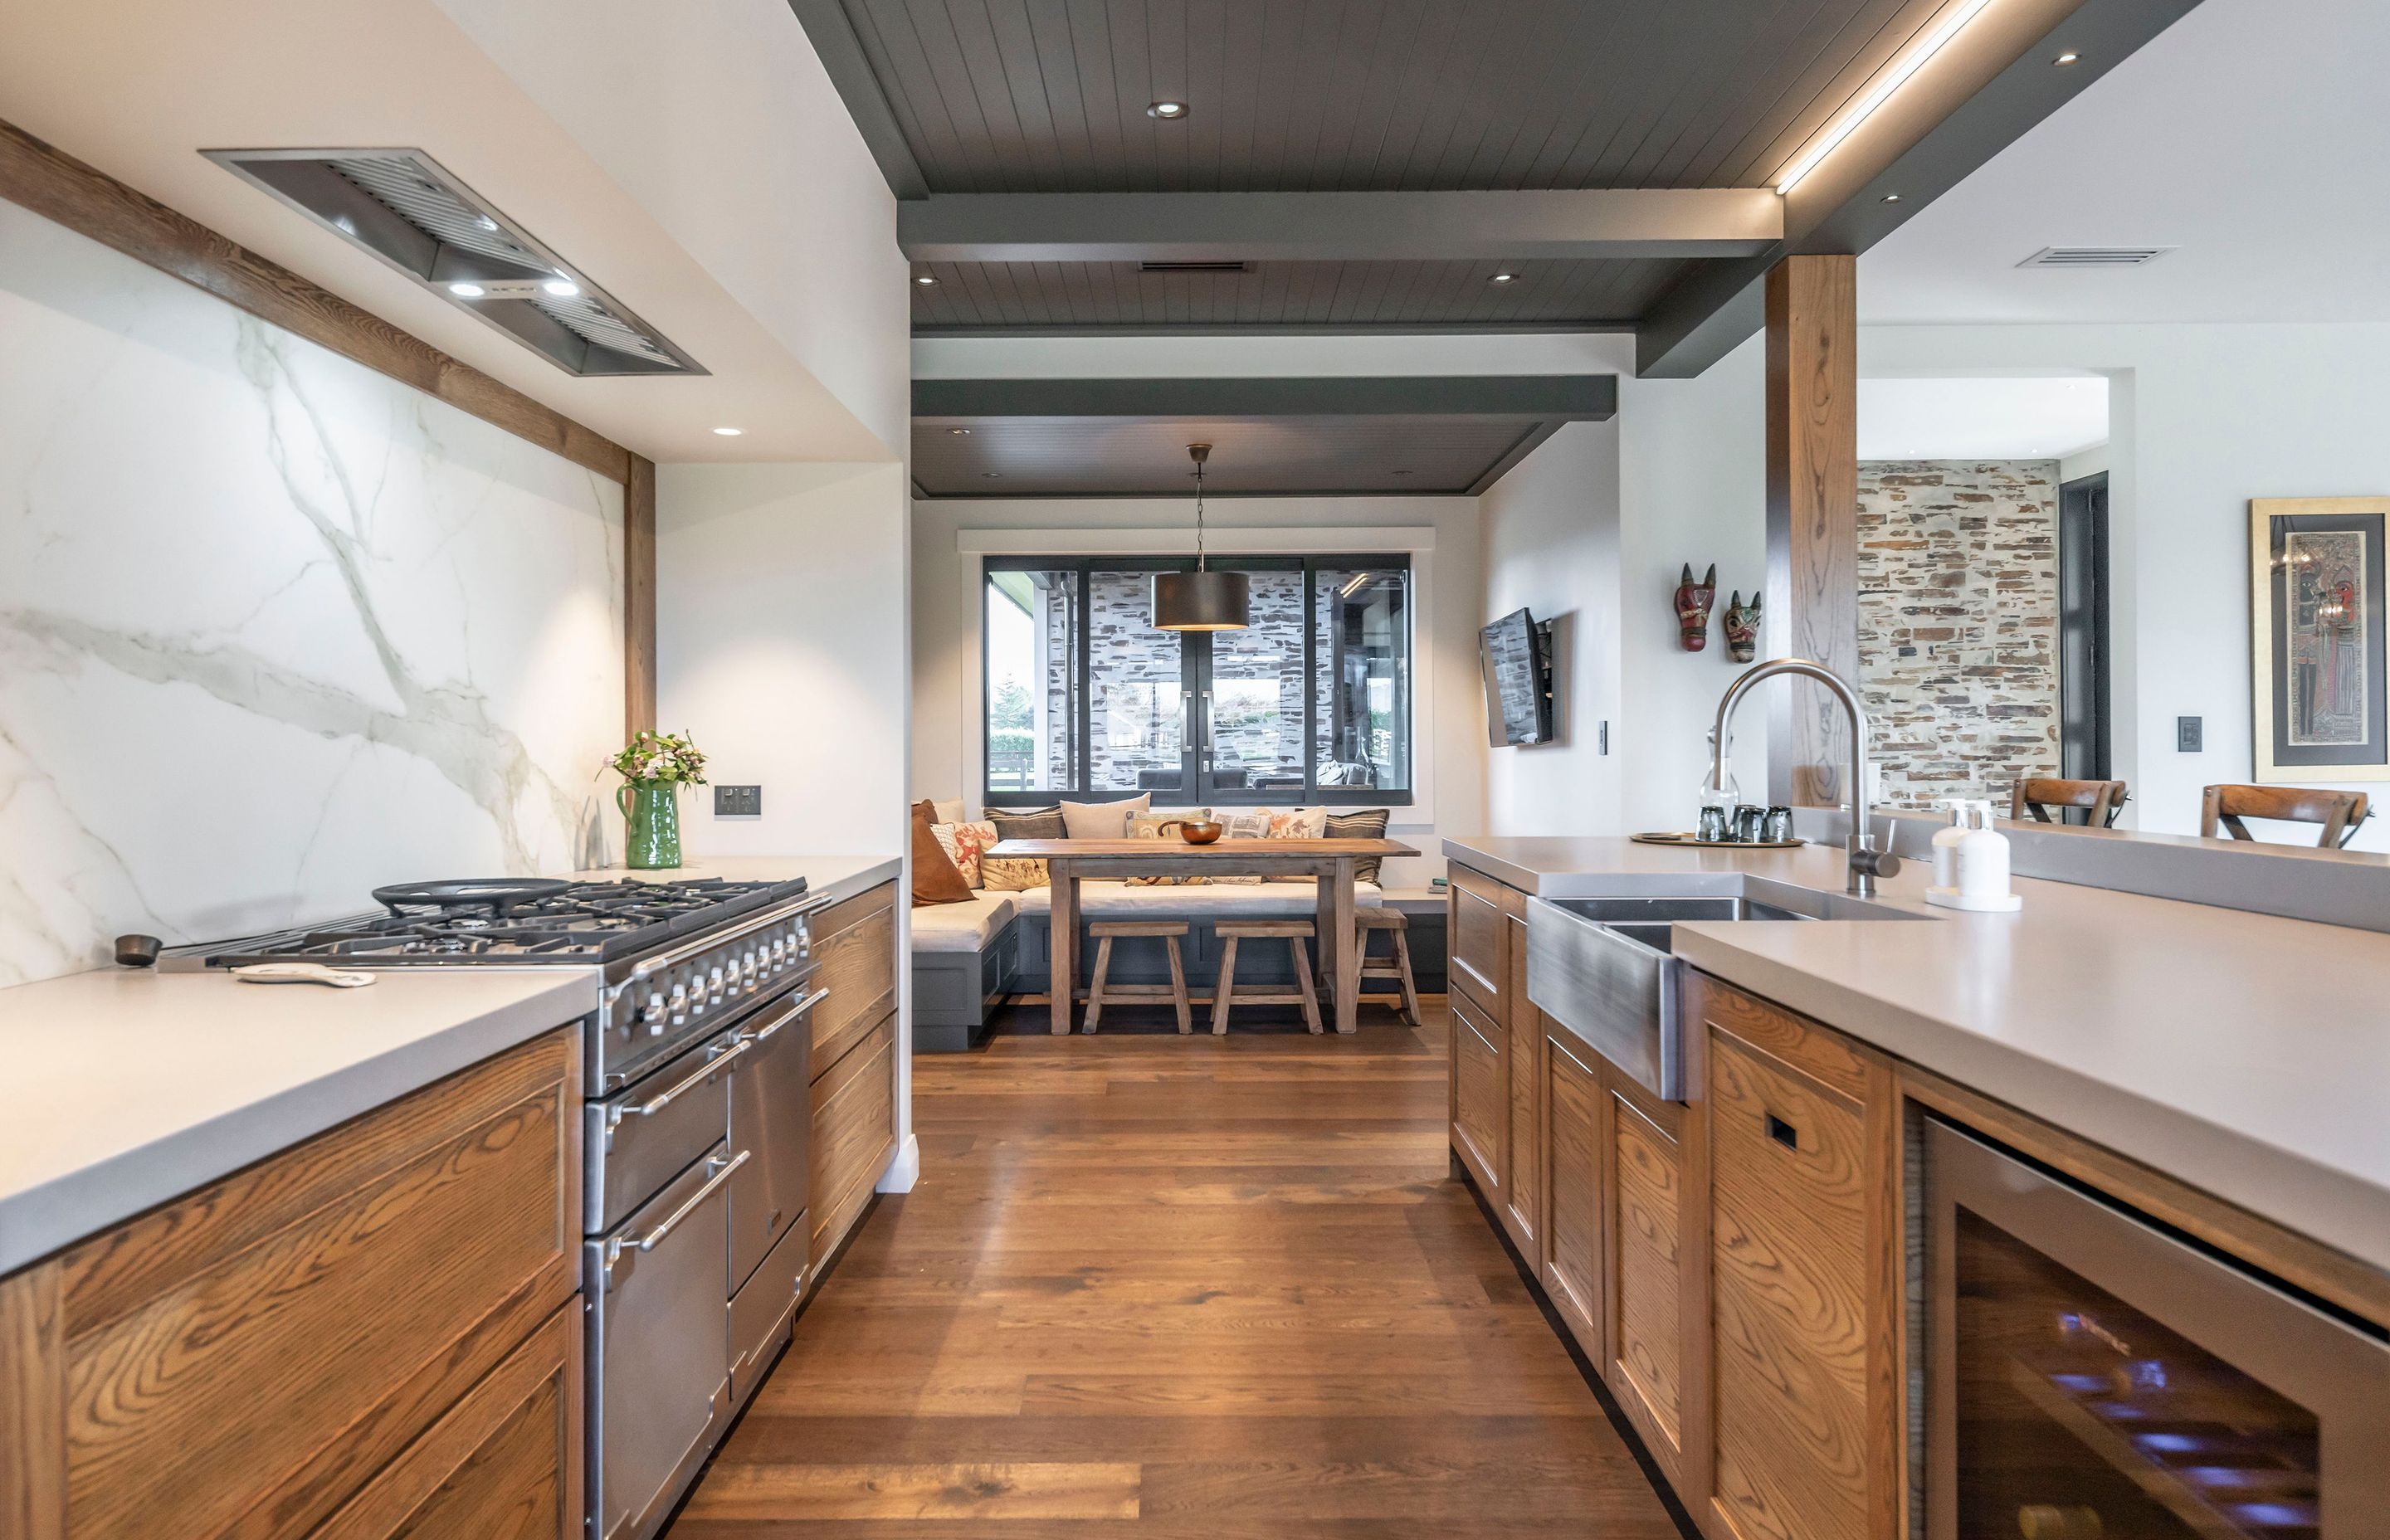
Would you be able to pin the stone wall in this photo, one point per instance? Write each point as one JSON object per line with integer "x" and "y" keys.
{"x": 1958, "y": 575}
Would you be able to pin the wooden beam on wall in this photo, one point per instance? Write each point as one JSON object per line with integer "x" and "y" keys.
{"x": 1813, "y": 494}
{"x": 58, "y": 186}
{"x": 640, "y": 597}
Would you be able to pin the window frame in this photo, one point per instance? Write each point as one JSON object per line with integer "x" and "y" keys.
{"x": 1195, "y": 676}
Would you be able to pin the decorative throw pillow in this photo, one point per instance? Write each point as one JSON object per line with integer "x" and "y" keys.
{"x": 1159, "y": 826}
{"x": 1301, "y": 823}
{"x": 1250, "y": 823}
{"x": 1104, "y": 820}
{"x": 964, "y": 845}
{"x": 1370, "y": 824}
{"x": 1013, "y": 874}
{"x": 935, "y": 878}
{"x": 945, "y": 810}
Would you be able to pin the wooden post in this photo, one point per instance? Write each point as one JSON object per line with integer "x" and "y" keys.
{"x": 1813, "y": 476}
{"x": 640, "y": 597}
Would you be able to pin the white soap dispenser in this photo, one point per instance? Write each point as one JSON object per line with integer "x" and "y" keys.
{"x": 1980, "y": 877}
{"x": 1945, "y": 846}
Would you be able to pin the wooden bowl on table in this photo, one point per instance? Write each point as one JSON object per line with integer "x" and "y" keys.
{"x": 1197, "y": 831}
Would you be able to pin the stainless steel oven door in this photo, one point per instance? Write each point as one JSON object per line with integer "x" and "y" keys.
{"x": 771, "y": 1114}
{"x": 645, "y": 1134}
{"x": 658, "y": 1355}
{"x": 2090, "y": 1377}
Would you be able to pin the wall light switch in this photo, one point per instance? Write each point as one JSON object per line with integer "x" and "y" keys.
{"x": 2189, "y": 735}
{"x": 738, "y": 802}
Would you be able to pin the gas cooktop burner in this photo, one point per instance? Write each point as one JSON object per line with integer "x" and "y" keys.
{"x": 513, "y": 920}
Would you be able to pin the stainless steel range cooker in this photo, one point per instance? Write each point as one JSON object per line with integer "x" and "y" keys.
{"x": 696, "y": 1119}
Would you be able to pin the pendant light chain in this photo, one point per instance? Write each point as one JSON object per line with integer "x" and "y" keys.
{"x": 1200, "y": 564}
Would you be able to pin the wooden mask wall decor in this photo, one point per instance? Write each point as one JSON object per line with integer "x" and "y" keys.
{"x": 1741, "y": 626}
{"x": 1693, "y": 602}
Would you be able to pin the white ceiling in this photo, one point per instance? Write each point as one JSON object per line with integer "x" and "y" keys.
{"x": 2252, "y": 135}
{"x": 1982, "y": 419}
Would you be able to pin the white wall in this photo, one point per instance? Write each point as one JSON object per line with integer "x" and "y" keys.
{"x": 1596, "y": 526}
{"x": 274, "y": 628}
{"x": 1450, "y": 716}
{"x": 2203, "y": 419}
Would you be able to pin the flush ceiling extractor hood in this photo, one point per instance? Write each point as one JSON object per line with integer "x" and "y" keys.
{"x": 404, "y": 208}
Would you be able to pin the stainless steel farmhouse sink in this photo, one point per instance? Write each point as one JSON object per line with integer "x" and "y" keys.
{"x": 1605, "y": 968}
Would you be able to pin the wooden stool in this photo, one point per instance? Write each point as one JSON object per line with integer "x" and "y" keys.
{"x": 2101, "y": 800}
{"x": 1101, "y": 994}
{"x": 1397, "y": 966}
{"x": 1295, "y": 932}
{"x": 2340, "y": 813}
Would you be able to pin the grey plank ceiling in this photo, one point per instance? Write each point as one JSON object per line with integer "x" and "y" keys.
{"x": 981, "y": 295}
{"x": 1292, "y": 95}
{"x": 1147, "y": 457}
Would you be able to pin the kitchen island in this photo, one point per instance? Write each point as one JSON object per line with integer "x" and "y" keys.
{"x": 1750, "y": 1263}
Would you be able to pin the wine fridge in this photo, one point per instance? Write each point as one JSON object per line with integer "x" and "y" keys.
{"x": 2091, "y": 1375}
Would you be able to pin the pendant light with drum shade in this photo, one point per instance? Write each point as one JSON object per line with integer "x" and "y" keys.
{"x": 1202, "y": 600}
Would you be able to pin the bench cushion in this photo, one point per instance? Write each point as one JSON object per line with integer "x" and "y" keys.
{"x": 967, "y": 927}
{"x": 1209, "y": 901}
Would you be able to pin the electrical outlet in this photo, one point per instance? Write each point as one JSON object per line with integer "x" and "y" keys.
{"x": 738, "y": 802}
{"x": 2190, "y": 733}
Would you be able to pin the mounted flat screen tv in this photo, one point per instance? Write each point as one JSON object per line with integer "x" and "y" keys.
{"x": 1518, "y": 682}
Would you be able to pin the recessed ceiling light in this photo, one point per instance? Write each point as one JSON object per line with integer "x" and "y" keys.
{"x": 1166, "y": 110}
{"x": 993, "y": 475}
{"x": 564, "y": 289}
{"x": 730, "y": 432}
{"x": 2067, "y": 58}
{"x": 467, "y": 290}
{"x": 1892, "y": 198}
{"x": 960, "y": 433}
{"x": 1504, "y": 277}
{"x": 926, "y": 280}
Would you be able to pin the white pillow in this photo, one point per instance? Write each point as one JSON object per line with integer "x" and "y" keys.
{"x": 1104, "y": 820}
{"x": 948, "y": 813}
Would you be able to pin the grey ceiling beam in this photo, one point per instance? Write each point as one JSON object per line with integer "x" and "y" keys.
{"x": 1340, "y": 227}
{"x": 1559, "y": 398}
{"x": 833, "y": 36}
{"x": 1934, "y": 133}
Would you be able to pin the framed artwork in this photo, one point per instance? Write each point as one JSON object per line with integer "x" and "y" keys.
{"x": 2318, "y": 624}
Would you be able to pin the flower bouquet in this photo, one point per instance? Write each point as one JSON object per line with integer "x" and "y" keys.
{"x": 654, "y": 766}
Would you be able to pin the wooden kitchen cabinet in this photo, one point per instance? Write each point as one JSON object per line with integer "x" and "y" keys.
{"x": 1572, "y": 1170}
{"x": 1477, "y": 960}
{"x": 854, "y": 1065}
{"x": 1523, "y": 1196}
{"x": 245, "y": 1360}
{"x": 1481, "y": 1097}
{"x": 1806, "y": 1249}
{"x": 1650, "y": 1223}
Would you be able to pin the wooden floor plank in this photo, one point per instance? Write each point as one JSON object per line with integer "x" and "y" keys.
{"x": 1155, "y": 1288}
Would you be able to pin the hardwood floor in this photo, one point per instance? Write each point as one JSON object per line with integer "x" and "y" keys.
{"x": 1158, "y": 1286}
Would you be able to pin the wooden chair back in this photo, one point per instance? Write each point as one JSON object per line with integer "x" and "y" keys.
{"x": 2102, "y": 800}
{"x": 2340, "y": 813}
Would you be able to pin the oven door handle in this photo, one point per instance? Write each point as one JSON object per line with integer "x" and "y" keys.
{"x": 661, "y": 1100}
{"x": 757, "y": 1039}
{"x": 722, "y": 1171}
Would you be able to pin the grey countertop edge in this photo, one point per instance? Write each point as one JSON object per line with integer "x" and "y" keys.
{"x": 37, "y": 1221}
{"x": 2331, "y": 1206}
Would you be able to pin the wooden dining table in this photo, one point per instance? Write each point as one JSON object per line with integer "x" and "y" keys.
{"x": 1331, "y": 862}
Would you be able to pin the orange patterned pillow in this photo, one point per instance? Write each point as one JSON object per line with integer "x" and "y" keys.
{"x": 964, "y": 845}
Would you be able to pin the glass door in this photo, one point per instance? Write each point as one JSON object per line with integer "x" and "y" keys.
{"x": 2092, "y": 1378}
{"x": 1250, "y": 709}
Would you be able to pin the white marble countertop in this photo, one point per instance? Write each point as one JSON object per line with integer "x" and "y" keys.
{"x": 131, "y": 1086}
{"x": 2244, "y": 1054}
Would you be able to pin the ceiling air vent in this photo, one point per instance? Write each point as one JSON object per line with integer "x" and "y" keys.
{"x": 404, "y": 208}
{"x": 2095, "y": 256}
{"x": 1194, "y": 267}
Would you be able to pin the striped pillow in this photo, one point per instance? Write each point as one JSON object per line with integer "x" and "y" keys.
{"x": 1370, "y": 824}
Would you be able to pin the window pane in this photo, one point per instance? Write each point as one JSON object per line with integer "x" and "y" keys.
{"x": 1257, "y": 708}
{"x": 1362, "y": 634}
{"x": 1141, "y": 705}
{"x": 1033, "y": 707}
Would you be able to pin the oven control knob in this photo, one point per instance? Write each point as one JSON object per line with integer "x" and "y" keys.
{"x": 753, "y": 969}
{"x": 713, "y": 987}
{"x": 679, "y": 1005}
{"x": 652, "y": 1013}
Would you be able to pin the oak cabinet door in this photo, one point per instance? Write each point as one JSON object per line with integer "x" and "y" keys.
{"x": 1481, "y": 1114}
{"x": 854, "y": 959}
{"x": 1522, "y": 1205}
{"x": 853, "y": 1132}
{"x": 1573, "y": 1233}
{"x": 1645, "y": 1363}
{"x": 1805, "y": 1242}
{"x": 1478, "y": 945}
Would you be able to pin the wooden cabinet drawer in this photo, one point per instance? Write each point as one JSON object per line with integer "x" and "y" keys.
{"x": 1478, "y": 941}
{"x": 1572, "y": 1229}
{"x": 504, "y": 1463}
{"x": 241, "y": 1361}
{"x": 1481, "y": 1098}
{"x": 1804, "y": 1211}
{"x": 854, "y": 953}
{"x": 1646, "y": 1363}
{"x": 854, "y": 1129}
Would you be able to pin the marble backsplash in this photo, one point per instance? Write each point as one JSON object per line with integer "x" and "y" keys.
{"x": 274, "y": 628}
